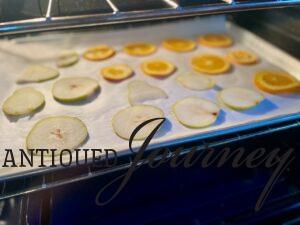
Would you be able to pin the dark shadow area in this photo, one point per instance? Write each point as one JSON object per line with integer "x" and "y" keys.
{"x": 262, "y": 108}
{"x": 166, "y": 127}
{"x": 221, "y": 118}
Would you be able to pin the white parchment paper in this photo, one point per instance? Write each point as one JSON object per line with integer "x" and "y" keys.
{"x": 98, "y": 112}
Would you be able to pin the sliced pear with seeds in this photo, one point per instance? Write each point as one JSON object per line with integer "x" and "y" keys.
{"x": 196, "y": 82}
{"x": 38, "y": 73}
{"x": 240, "y": 98}
{"x": 60, "y": 132}
{"x": 140, "y": 92}
{"x": 67, "y": 58}
{"x": 74, "y": 89}
{"x": 195, "y": 112}
{"x": 23, "y": 102}
{"x": 127, "y": 120}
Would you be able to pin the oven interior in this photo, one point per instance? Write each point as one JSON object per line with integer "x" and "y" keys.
{"x": 168, "y": 195}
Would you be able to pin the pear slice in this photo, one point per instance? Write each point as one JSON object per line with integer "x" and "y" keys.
{"x": 74, "y": 89}
{"x": 196, "y": 82}
{"x": 23, "y": 102}
{"x": 60, "y": 132}
{"x": 140, "y": 92}
{"x": 126, "y": 121}
{"x": 67, "y": 58}
{"x": 195, "y": 112}
{"x": 38, "y": 73}
{"x": 240, "y": 98}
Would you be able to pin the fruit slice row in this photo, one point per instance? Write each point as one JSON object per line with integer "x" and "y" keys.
{"x": 174, "y": 44}
{"x": 140, "y": 92}
{"x": 60, "y": 132}
{"x": 102, "y": 52}
{"x": 23, "y": 102}
{"x": 74, "y": 89}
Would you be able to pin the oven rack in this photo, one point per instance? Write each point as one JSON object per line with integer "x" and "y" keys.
{"x": 57, "y": 14}
{"x": 48, "y": 178}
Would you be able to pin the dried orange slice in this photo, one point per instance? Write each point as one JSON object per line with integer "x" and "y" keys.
{"x": 99, "y": 53}
{"x": 215, "y": 40}
{"x": 117, "y": 72}
{"x": 209, "y": 64}
{"x": 276, "y": 82}
{"x": 179, "y": 44}
{"x": 242, "y": 57}
{"x": 140, "y": 49}
{"x": 158, "y": 68}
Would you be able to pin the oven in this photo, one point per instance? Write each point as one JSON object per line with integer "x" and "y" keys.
{"x": 157, "y": 192}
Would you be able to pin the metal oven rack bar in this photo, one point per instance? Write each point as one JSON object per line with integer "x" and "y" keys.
{"x": 57, "y": 14}
{"x": 47, "y": 179}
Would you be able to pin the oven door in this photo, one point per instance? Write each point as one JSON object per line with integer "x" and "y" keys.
{"x": 166, "y": 195}
{"x": 194, "y": 195}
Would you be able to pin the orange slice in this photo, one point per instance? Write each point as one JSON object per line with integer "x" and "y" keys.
{"x": 215, "y": 40}
{"x": 276, "y": 82}
{"x": 99, "y": 53}
{"x": 209, "y": 64}
{"x": 179, "y": 44}
{"x": 116, "y": 72}
{"x": 242, "y": 57}
{"x": 158, "y": 68}
{"x": 140, "y": 49}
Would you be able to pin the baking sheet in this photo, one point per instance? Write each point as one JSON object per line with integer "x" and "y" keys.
{"x": 97, "y": 114}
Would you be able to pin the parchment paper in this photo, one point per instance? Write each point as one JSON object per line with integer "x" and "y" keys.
{"x": 98, "y": 112}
